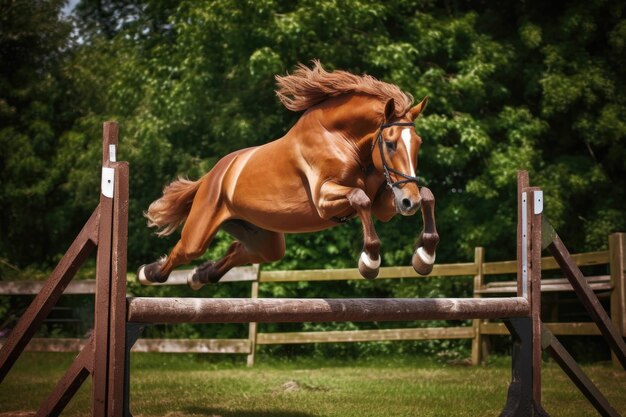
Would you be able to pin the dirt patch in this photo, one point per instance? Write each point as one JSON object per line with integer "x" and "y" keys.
{"x": 295, "y": 386}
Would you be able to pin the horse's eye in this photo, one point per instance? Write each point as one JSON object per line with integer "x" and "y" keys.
{"x": 391, "y": 146}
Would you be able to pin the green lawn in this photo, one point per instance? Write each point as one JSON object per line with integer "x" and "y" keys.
{"x": 190, "y": 385}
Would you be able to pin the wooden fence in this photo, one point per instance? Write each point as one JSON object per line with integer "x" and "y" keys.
{"x": 487, "y": 281}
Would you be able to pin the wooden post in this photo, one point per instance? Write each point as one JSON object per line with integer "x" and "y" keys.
{"x": 617, "y": 259}
{"x": 524, "y": 396}
{"x": 252, "y": 327}
{"x": 535, "y": 209}
{"x": 479, "y": 278}
{"x": 117, "y": 318}
{"x": 103, "y": 275}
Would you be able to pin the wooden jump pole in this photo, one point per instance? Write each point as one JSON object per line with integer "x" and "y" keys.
{"x": 156, "y": 310}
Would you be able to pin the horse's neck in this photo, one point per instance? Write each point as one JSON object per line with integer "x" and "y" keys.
{"x": 354, "y": 118}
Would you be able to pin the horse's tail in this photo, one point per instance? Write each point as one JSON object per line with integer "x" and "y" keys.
{"x": 169, "y": 211}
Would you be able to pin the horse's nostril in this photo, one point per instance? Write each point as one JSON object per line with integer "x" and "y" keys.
{"x": 406, "y": 203}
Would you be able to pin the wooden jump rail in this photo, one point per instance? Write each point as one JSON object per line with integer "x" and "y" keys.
{"x": 281, "y": 310}
{"x": 117, "y": 321}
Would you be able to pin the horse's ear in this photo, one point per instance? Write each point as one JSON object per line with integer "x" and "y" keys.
{"x": 390, "y": 110}
{"x": 418, "y": 109}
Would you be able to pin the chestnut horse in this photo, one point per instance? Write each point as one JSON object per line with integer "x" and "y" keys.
{"x": 352, "y": 153}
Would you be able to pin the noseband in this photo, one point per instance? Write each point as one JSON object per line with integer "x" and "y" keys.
{"x": 386, "y": 168}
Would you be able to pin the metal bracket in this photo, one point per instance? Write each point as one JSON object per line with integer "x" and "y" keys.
{"x": 525, "y": 244}
{"x": 108, "y": 181}
{"x": 538, "y": 206}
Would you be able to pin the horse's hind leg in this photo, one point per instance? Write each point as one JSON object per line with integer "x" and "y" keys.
{"x": 202, "y": 224}
{"x": 253, "y": 245}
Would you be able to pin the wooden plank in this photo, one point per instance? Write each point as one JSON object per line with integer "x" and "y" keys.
{"x": 252, "y": 328}
{"x": 146, "y": 345}
{"x": 477, "y": 339}
{"x": 589, "y": 299}
{"x": 248, "y": 274}
{"x": 44, "y": 344}
{"x": 535, "y": 197}
{"x": 391, "y": 272}
{"x": 576, "y": 374}
{"x": 284, "y": 310}
{"x": 559, "y": 329}
{"x": 103, "y": 284}
{"x": 606, "y": 286}
{"x": 117, "y": 306}
{"x": 581, "y": 259}
{"x": 365, "y": 335}
{"x": 193, "y": 345}
{"x": 550, "y": 281}
{"x": 500, "y": 268}
{"x": 617, "y": 248}
{"x": 34, "y": 287}
{"x": 88, "y": 286}
{"x": 238, "y": 274}
{"x": 67, "y": 386}
{"x": 547, "y": 263}
{"x": 50, "y": 293}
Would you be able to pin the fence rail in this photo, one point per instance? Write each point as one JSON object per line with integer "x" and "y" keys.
{"x": 612, "y": 285}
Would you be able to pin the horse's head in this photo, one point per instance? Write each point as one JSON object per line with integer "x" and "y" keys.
{"x": 394, "y": 153}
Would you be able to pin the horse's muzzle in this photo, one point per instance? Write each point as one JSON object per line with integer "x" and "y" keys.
{"x": 406, "y": 203}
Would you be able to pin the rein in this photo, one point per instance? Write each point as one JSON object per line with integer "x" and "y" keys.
{"x": 387, "y": 169}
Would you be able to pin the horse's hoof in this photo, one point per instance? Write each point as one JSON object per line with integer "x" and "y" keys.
{"x": 141, "y": 275}
{"x": 422, "y": 261}
{"x": 193, "y": 280}
{"x": 367, "y": 267}
{"x": 150, "y": 274}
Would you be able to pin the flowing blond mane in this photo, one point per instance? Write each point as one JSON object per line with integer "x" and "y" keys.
{"x": 307, "y": 87}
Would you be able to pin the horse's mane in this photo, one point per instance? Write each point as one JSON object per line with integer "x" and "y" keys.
{"x": 307, "y": 87}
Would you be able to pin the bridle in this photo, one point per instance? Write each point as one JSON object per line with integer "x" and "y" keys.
{"x": 386, "y": 168}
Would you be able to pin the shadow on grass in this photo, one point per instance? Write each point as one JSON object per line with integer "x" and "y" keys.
{"x": 219, "y": 412}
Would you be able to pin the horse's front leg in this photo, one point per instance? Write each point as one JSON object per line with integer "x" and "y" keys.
{"x": 424, "y": 255}
{"x": 335, "y": 198}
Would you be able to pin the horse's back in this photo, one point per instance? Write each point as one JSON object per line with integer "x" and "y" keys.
{"x": 268, "y": 186}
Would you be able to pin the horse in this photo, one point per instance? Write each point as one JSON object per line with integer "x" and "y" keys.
{"x": 353, "y": 152}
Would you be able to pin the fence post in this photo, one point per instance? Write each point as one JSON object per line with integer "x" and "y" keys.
{"x": 535, "y": 210}
{"x": 479, "y": 353}
{"x": 252, "y": 327}
{"x": 101, "y": 321}
{"x": 617, "y": 262}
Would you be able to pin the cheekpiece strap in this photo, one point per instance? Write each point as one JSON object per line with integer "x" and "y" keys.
{"x": 386, "y": 168}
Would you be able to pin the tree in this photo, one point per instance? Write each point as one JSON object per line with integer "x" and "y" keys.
{"x": 33, "y": 42}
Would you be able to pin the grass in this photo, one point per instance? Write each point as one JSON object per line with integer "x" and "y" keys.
{"x": 197, "y": 385}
